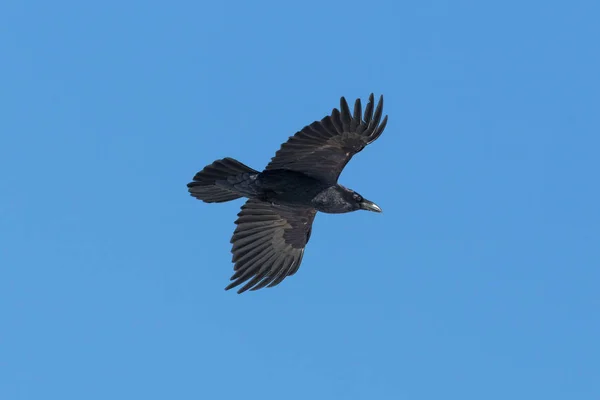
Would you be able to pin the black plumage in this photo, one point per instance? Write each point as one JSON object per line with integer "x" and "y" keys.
{"x": 275, "y": 223}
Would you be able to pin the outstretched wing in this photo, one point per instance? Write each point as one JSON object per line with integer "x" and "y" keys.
{"x": 323, "y": 148}
{"x": 268, "y": 243}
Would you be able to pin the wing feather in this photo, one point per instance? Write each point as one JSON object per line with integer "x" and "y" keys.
{"x": 323, "y": 148}
{"x": 357, "y": 115}
{"x": 345, "y": 115}
{"x": 268, "y": 243}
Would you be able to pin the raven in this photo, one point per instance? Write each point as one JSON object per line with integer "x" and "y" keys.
{"x": 274, "y": 225}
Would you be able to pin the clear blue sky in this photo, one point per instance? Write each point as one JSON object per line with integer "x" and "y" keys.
{"x": 479, "y": 281}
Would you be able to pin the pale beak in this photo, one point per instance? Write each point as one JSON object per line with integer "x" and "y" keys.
{"x": 370, "y": 206}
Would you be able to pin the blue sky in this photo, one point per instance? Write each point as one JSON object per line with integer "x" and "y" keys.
{"x": 479, "y": 281}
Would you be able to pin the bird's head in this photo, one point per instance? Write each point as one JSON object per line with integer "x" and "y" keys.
{"x": 364, "y": 204}
{"x": 338, "y": 199}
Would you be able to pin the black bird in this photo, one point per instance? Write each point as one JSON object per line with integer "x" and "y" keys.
{"x": 274, "y": 225}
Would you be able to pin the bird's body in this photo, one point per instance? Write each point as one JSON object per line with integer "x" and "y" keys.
{"x": 274, "y": 225}
{"x": 280, "y": 186}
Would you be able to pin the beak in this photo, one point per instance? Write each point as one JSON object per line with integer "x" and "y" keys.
{"x": 370, "y": 206}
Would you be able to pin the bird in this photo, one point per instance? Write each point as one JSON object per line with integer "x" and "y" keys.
{"x": 275, "y": 223}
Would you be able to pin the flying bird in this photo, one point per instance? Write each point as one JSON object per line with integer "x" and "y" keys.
{"x": 274, "y": 225}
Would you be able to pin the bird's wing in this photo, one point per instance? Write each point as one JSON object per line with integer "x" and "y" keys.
{"x": 323, "y": 148}
{"x": 268, "y": 243}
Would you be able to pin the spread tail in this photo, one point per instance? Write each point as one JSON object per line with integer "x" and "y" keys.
{"x": 223, "y": 180}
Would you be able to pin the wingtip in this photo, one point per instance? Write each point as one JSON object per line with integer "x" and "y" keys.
{"x": 383, "y": 123}
{"x": 240, "y": 291}
{"x": 232, "y": 285}
{"x": 344, "y": 102}
{"x": 372, "y": 97}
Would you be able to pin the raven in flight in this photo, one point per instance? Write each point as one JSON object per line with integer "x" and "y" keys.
{"x": 275, "y": 223}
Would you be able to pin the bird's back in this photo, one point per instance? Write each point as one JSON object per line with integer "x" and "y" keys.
{"x": 288, "y": 187}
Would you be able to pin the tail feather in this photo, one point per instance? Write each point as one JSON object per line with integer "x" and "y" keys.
{"x": 221, "y": 181}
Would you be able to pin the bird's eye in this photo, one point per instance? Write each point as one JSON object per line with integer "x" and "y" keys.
{"x": 358, "y": 197}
